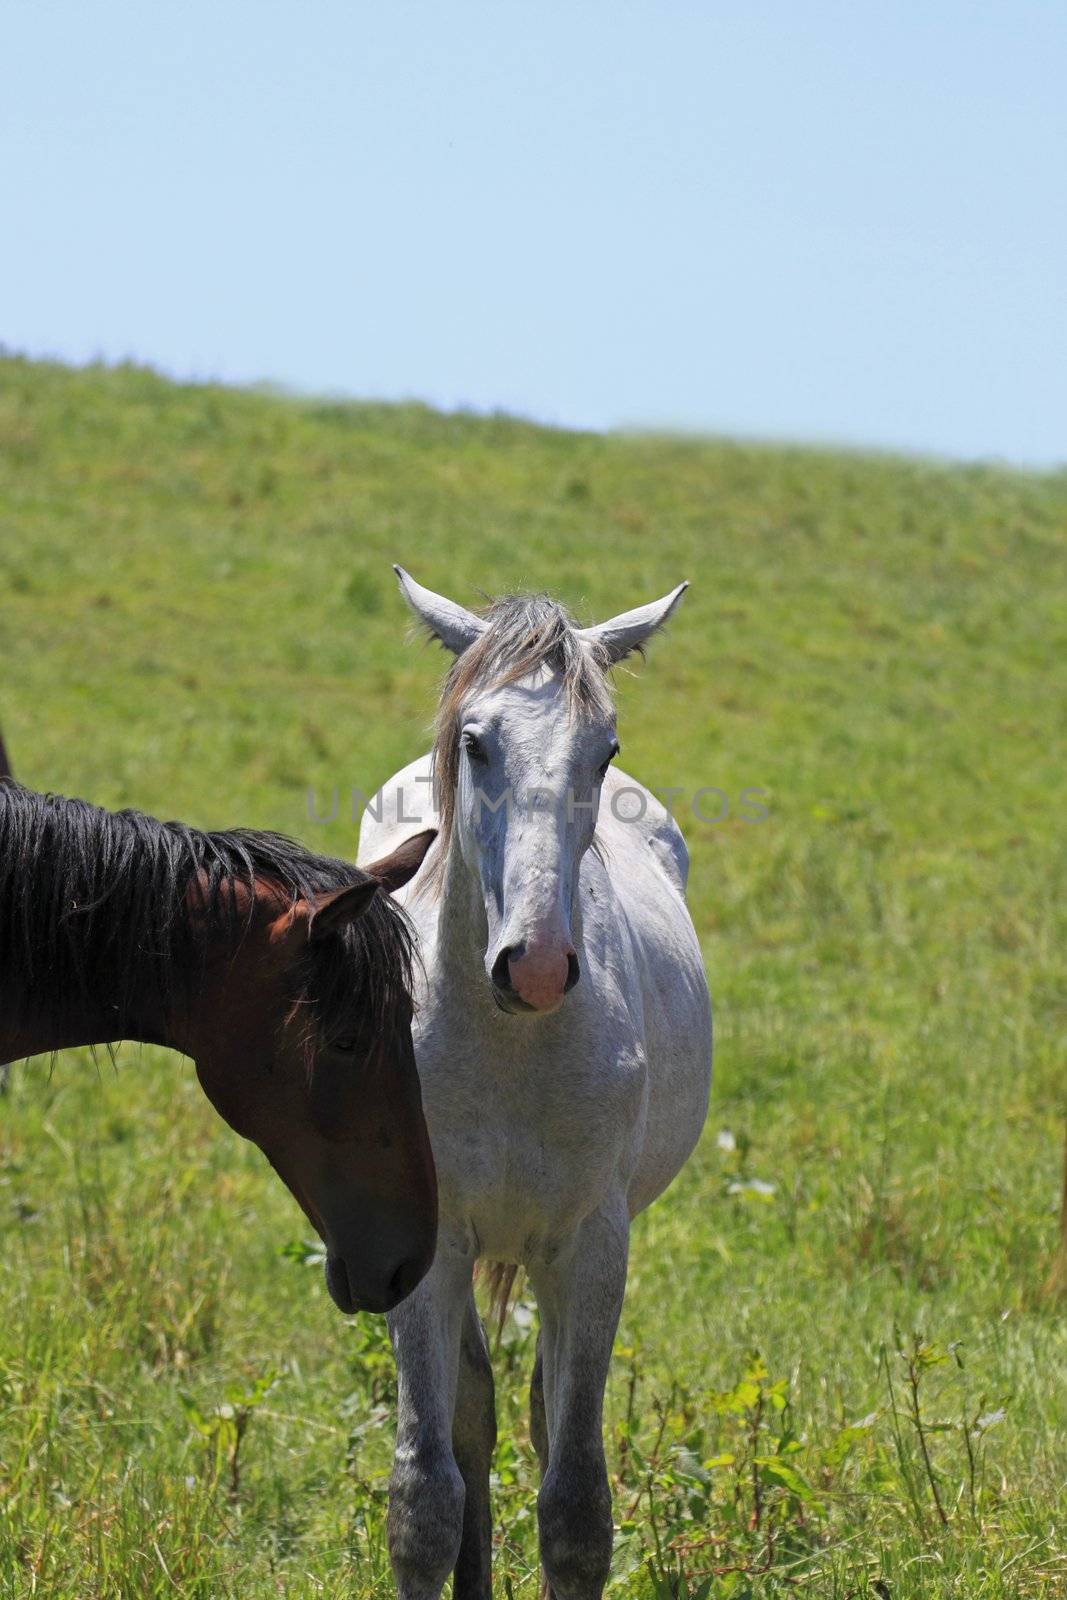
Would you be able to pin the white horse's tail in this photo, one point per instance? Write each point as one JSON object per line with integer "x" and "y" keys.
{"x": 499, "y": 1278}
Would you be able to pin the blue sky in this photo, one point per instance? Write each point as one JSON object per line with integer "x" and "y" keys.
{"x": 801, "y": 220}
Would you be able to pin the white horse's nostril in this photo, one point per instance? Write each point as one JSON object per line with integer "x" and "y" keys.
{"x": 500, "y": 973}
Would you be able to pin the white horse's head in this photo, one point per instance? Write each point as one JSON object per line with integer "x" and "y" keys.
{"x": 525, "y": 735}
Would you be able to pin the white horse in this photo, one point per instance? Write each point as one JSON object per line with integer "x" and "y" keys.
{"x": 563, "y": 1040}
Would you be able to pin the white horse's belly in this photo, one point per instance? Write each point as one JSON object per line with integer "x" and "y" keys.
{"x": 679, "y": 1085}
{"x": 512, "y": 1214}
{"x": 675, "y": 1006}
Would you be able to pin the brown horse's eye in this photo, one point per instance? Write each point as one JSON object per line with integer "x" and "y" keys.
{"x": 345, "y": 1047}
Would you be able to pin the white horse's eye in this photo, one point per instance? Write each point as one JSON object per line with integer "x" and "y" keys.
{"x": 608, "y": 760}
{"x": 474, "y": 748}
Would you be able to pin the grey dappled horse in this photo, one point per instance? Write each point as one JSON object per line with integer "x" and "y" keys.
{"x": 563, "y": 1040}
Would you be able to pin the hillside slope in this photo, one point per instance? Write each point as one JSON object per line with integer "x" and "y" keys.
{"x": 198, "y": 617}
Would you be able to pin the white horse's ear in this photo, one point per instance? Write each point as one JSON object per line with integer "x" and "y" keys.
{"x": 630, "y": 629}
{"x": 453, "y": 626}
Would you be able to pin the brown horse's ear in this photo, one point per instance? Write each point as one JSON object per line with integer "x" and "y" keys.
{"x": 393, "y": 871}
{"x": 329, "y": 913}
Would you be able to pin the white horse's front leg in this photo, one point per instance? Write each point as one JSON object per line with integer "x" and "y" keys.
{"x": 426, "y": 1490}
{"x": 580, "y": 1297}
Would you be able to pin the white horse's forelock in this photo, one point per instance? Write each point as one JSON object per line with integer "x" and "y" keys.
{"x": 524, "y": 635}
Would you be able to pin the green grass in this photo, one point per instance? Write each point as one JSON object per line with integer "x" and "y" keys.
{"x": 198, "y": 617}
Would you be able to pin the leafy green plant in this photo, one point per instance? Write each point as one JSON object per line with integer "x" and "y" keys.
{"x": 223, "y": 1428}
{"x": 723, "y": 1485}
{"x": 941, "y": 1458}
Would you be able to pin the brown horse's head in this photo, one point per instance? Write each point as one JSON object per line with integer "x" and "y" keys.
{"x": 302, "y": 1042}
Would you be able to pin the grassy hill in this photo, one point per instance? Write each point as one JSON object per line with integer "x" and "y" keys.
{"x": 198, "y": 617}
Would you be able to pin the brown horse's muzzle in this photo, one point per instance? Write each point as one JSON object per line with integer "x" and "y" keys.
{"x": 382, "y": 1265}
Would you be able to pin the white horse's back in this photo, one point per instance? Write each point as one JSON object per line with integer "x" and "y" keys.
{"x": 402, "y": 808}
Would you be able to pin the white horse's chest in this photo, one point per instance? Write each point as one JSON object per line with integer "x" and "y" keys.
{"x": 526, "y": 1149}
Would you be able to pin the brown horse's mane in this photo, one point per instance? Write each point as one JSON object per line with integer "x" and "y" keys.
{"x": 95, "y": 904}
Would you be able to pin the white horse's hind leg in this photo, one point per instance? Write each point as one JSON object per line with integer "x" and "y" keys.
{"x": 473, "y": 1439}
{"x": 426, "y": 1492}
{"x": 580, "y": 1297}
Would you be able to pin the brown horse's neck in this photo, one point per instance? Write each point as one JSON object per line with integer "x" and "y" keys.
{"x": 197, "y": 1005}
{"x": 112, "y": 923}
{"x": 95, "y": 1026}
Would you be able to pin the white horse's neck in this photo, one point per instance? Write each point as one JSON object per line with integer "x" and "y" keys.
{"x": 461, "y": 922}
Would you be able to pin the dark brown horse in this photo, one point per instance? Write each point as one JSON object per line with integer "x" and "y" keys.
{"x": 286, "y": 976}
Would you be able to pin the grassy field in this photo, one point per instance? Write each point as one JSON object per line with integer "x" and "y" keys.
{"x": 837, "y": 1374}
